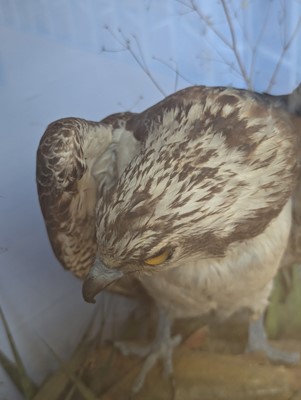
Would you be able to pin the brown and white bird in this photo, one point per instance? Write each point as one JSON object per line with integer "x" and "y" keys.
{"x": 192, "y": 198}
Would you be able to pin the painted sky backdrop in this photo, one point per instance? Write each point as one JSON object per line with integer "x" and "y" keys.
{"x": 88, "y": 59}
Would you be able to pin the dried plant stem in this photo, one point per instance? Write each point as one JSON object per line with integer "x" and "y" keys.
{"x": 25, "y": 383}
{"x": 285, "y": 48}
{"x": 139, "y": 58}
{"x": 175, "y": 70}
{"x": 233, "y": 46}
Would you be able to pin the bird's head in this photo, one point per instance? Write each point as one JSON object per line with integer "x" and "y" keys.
{"x": 139, "y": 226}
{"x": 204, "y": 178}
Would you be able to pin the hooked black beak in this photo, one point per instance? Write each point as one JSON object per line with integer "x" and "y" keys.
{"x": 98, "y": 279}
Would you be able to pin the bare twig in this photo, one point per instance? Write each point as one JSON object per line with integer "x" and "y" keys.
{"x": 139, "y": 58}
{"x": 229, "y": 39}
{"x": 176, "y": 76}
{"x": 132, "y": 106}
{"x": 105, "y": 49}
{"x": 234, "y": 45}
{"x": 256, "y": 45}
{"x": 208, "y": 22}
{"x": 175, "y": 70}
{"x": 223, "y": 59}
{"x": 285, "y": 48}
{"x": 230, "y": 44}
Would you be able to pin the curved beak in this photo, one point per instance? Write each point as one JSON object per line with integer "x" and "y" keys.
{"x": 98, "y": 279}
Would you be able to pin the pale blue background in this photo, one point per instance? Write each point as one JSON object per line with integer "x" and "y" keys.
{"x": 52, "y": 65}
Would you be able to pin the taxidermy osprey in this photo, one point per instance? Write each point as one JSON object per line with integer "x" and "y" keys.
{"x": 192, "y": 198}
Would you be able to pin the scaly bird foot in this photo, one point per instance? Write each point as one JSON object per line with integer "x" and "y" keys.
{"x": 161, "y": 348}
{"x": 258, "y": 342}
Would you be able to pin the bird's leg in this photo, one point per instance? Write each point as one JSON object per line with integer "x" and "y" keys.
{"x": 258, "y": 342}
{"x": 162, "y": 347}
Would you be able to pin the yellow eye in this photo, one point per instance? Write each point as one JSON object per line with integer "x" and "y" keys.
{"x": 159, "y": 259}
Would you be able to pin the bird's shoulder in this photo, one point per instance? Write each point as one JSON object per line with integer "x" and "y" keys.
{"x": 216, "y": 166}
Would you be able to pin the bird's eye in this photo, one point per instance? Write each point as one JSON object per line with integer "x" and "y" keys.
{"x": 158, "y": 259}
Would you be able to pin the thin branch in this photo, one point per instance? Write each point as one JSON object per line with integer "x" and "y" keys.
{"x": 140, "y": 51}
{"x": 234, "y": 45}
{"x": 223, "y": 60}
{"x": 140, "y": 60}
{"x": 132, "y": 106}
{"x": 114, "y": 35}
{"x": 230, "y": 44}
{"x": 222, "y": 57}
{"x": 183, "y": 3}
{"x": 175, "y": 70}
{"x": 256, "y": 45}
{"x": 208, "y": 22}
{"x": 253, "y": 47}
{"x": 104, "y": 49}
{"x": 281, "y": 20}
{"x": 176, "y": 77}
{"x": 243, "y": 30}
{"x": 285, "y": 48}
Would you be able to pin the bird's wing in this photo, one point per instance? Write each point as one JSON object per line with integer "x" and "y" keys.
{"x": 292, "y": 103}
{"x": 217, "y": 166}
{"x": 292, "y": 254}
{"x": 77, "y": 161}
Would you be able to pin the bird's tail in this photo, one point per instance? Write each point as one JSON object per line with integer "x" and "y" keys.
{"x": 290, "y": 102}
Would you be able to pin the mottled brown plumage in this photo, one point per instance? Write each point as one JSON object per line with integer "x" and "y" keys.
{"x": 193, "y": 197}
{"x": 79, "y": 164}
